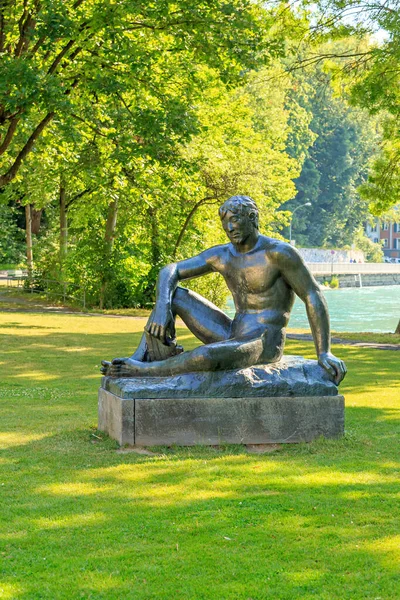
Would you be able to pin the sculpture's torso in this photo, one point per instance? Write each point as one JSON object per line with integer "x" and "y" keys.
{"x": 262, "y": 297}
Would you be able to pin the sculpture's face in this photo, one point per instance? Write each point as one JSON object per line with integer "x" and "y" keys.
{"x": 238, "y": 226}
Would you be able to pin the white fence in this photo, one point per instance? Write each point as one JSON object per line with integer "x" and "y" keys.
{"x": 353, "y": 268}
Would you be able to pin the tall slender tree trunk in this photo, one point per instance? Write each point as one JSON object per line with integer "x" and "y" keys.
{"x": 36, "y": 219}
{"x": 28, "y": 229}
{"x": 155, "y": 236}
{"x": 398, "y": 328}
{"x": 63, "y": 227}
{"x": 108, "y": 241}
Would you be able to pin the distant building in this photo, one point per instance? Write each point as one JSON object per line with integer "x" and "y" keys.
{"x": 387, "y": 232}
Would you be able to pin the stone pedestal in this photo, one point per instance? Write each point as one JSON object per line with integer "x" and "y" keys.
{"x": 290, "y": 401}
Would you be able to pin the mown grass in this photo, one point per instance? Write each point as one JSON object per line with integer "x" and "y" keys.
{"x": 369, "y": 337}
{"x": 80, "y": 520}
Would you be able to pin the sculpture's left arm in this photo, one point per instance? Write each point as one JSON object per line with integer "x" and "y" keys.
{"x": 297, "y": 275}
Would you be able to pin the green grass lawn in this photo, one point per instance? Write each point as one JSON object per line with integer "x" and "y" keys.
{"x": 81, "y": 520}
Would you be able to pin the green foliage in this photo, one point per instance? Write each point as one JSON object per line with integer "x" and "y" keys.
{"x": 11, "y": 236}
{"x": 372, "y": 251}
{"x": 212, "y": 287}
{"x": 371, "y": 75}
{"x": 334, "y": 283}
{"x": 382, "y": 190}
{"x": 128, "y": 71}
{"x": 151, "y": 110}
{"x": 335, "y": 166}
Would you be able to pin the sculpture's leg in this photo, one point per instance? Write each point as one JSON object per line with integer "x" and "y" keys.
{"x": 228, "y": 354}
{"x": 205, "y": 320}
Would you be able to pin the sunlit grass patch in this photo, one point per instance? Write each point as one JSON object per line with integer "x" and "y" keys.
{"x": 17, "y": 438}
{"x": 10, "y": 591}
{"x": 387, "y": 551}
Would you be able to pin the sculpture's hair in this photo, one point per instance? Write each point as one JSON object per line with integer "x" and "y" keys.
{"x": 242, "y": 205}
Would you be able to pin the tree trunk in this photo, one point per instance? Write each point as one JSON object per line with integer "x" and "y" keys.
{"x": 155, "y": 236}
{"x": 36, "y": 219}
{"x": 398, "y": 328}
{"x": 63, "y": 227}
{"x": 108, "y": 242}
{"x": 28, "y": 229}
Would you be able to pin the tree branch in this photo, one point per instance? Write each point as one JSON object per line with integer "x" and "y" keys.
{"x": 92, "y": 127}
{"x": 37, "y": 46}
{"x": 59, "y": 57}
{"x": 2, "y": 24}
{"x": 13, "y": 170}
{"x": 77, "y": 196}
{"x": 9, "y": 135}
{"x": 26, "y": 22}
{"x": 206, "y": 200}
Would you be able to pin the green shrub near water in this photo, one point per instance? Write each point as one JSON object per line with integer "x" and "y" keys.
{"x": 334, "y": 282}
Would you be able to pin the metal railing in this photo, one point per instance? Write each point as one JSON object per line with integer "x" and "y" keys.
{"x": 335, "y": 268}
{"x": 49, "y": 287}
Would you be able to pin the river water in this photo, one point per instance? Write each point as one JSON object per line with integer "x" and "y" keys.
{"x": 354, "y": 309}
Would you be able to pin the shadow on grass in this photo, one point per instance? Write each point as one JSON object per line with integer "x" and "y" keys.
{"x": 314, "y": 520}
{"x": 16, "y": 325}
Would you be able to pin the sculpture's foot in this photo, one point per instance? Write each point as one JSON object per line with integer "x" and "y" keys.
{"x": 122, "y": 367}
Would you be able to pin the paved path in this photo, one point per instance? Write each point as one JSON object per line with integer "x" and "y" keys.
{"x": 306, "y": 337}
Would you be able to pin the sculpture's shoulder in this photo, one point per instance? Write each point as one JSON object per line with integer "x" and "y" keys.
{"x": 216, "y": 254}
{"x": 282, "y": 253}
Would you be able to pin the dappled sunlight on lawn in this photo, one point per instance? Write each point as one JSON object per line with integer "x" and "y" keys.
{"x": 390, "y": 415}
{"x": 386, "y": 550}
{"x": 306, "y": 576}
{"x": 36, "y": 375}
{"x": 16, "y": 438}
{"x": 80, "y": 520}
{"x": 10, "y": 591}
{"x": 226, "y": 477}
{"x": 334, "y": 477}
{"x": 75, "y": 489}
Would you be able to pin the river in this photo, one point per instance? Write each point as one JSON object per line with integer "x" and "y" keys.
{"x": 354, "y": 309}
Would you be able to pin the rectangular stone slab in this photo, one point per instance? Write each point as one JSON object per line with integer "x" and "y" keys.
{"x": 213, "y": 421}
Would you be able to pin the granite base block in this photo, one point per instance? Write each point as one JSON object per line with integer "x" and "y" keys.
{"x": 213, "y": 421}
{"x": 290, "y": 401}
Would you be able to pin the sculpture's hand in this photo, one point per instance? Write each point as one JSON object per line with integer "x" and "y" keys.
{"x": 333, "y": 365}
{"x": 162, "y": 325}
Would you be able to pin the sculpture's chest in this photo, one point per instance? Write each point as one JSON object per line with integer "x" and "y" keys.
{"x": 251, "y": 273}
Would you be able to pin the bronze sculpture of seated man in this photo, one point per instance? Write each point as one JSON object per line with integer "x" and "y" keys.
{"x": 263, "y": 275}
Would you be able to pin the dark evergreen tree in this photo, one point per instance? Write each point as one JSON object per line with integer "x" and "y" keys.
{"x": 336, "y": 165}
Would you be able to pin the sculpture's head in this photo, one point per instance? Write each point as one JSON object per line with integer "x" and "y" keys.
{"x": 239, "y": 217}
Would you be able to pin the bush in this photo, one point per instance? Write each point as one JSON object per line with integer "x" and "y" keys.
{"x": 212, "y": 287}
{"x": 334, "y": 283}
{"x": 372, "y": 251}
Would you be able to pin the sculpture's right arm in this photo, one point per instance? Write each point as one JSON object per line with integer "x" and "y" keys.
{"x": 167, "y": 281}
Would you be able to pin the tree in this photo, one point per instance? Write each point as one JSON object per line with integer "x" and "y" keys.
{"x": 118, "y": 79}
{"x": 336, "y": 164}
{"x": 369, "y": 73}
{"x": 67, "y": 61}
